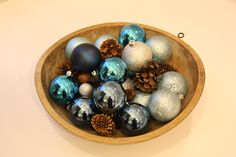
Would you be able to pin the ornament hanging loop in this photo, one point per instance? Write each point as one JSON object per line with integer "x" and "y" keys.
{"x": 180, "y": 35}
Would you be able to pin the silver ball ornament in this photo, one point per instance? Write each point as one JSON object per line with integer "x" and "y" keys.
{"x": 72, "y": 44}
{"x": 141, "y": 98}
{"x": 175, "y": 82}
{"x": 136, "y": 55}
{"x": 86, "y": 89}
{"x": 161, "y": 48}
{"x": 164, "y": 105}
{"x": 101, "y": 39}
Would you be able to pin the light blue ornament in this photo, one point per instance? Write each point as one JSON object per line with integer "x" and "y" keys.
{"x": 73, "y": 43}
{"x": 101, "y": 39}
{"x": 113, "y": 69}
{"x": 131, "y": 32}
{"x": 63, "y": 90}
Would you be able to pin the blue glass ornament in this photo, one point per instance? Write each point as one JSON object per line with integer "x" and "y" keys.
{"x": 109, "y": 97}
{"x": 63, "y": 90}
{"x": 113, "y": 69}
{"x": 131, "y": 32}
{"x": 81, "y": 112}
{"x": 134, "y": 119}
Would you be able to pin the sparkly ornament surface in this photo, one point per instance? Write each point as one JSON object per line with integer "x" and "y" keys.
{"x": 164, "y": 105}
{"x": 81, "y": 112}
{"x": 161, "y": 48}
{"x": 175, "y": 82}
{"x": 63, "y": 90}
{"x": 131, "y": 32}
{"x": 109, "y": 97}
{"x": 72, "y": 44}
{"x": 136, "y": 55}
{"x": 85, "y": 58}
{"x": 113, "y": 69}
{"x": 101, "y": 39}
{"x": 141, "y": 98}
{"x": 85, "y": 89}
{"x": 134, "y": 119}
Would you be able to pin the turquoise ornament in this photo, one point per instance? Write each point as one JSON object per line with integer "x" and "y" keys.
{"x": 113, "y": 69}
{"x": 63, "y": 90}
{"x": 131, "y": 32}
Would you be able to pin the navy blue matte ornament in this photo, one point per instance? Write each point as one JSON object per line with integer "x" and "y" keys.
{"x": 131, "y": 32}
{"x": 63, "y": 90}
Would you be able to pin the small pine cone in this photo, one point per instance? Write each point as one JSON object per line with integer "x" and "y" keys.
{"x": 130, "y": 94}
{"x": 63, "y": 68}
{"x": 103, "y": 124}
{"x": 145, "y": 81}
{"x": 162, "y": 68}
{"x": 110, "y": 48}
{"x": 84, "y": 77}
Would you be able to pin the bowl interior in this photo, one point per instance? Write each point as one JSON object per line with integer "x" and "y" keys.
{"x": 182, "y": 58}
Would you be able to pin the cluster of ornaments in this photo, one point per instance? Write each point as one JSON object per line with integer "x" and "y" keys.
{"x": 119, "y": 83}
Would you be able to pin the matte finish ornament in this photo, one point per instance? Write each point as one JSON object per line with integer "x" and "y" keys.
{"x": 128, "y": 84}
{"x": 175, "y": 82}
{"x": 141, "y": 98}
{"x": 81, "y": 112}
{"x": 134, "y": 119}
{"x": 85, "y": 89}
{"x": 101, "y": 39}
{"x": 73, "y": 43}
{"x": 63, "y": 90}
{"x": 131, "y": 32}
{"x": 136, "y": 55}
{"x": 164, "y": 105}
{"x": 85, "y": 58}
{"x": 113, "y": 69}
{"x": 161, "y": 48}
{"x": 109, "y": 97}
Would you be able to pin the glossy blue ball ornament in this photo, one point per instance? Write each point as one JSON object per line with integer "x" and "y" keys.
{"x": 81, "y": 112}
{"x": 113, "y": 69}
{"x": 131, "y": 32}
{"x": 134, "y": 119}
{"x": 63, "y": 90}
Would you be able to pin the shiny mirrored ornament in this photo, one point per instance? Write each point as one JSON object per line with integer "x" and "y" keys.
{"x": 141, "y": 98}
{"x": 82, "y": 111}
{"x": 109, "y": 97}
{"x": 161, "y": 48}
{"x": 63, "y": 90}
{"x": 131, "y": 32}
{"x": 113, "y": 69}
{"x": 134, "y": 119}
{"x": 85, "y": 58}
{"x": 85, "y": 89}
{"x": 73, "y": 43}
{"x": 164, "y": 105}
{"x": 101, "y": 39}
{"x": 175, "y": 82}
{"x": 136, "y": 55}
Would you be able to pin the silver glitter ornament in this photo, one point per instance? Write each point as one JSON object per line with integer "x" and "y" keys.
{"x": 141, "y": 98}
{"x": 85, "y": 89}
{"x": 73, "y": 43}
{"x": 175, "y": 82}
{"x": 164, "y": 105}
{"x": 161, "y": 48}
{"x": 101, "y": 39}
{"x": 136, "y": 55}
{"x": 128, "y": 84}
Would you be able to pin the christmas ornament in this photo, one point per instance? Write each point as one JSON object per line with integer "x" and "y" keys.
{"x": 113, "y": 69}
{"x": 101, "y": 39}
{"x": 130, "y": 94}
{"x": 145, "y": 80}
{"x": 85, "y": 58}
{"x": 175, "y": 82}
{"x": 164, "y": 105}
{"x": 141, "y": 98}
{"x": 136, "y": 55}
{"x": 110, "y": 48}
{"x": 63, "y": 90}
{"x": 72, "y": 44}
{"x": 103, "y": 124}
{"x": 161, "y": 48}
{"x": 81, "y": 112}
{"x": 134, "y": 119}
{"x": 128, "y": 84}
{"x": 63, "y": 68}
{"x": 131, "y": 32}
{"x": 109, "y": 97}
{"x": 85, "y": 89}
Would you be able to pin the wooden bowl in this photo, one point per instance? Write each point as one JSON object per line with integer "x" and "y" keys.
{"x": 184, "y": 58}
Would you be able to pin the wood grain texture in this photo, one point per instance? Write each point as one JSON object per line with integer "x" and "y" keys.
{"x": 184, "y": 58}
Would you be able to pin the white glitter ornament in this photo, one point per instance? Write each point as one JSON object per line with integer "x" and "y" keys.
{"x": 136, "y": 55}
{"x": 161, "y": 48}
{"x": 101, "y": 39}
{"x": 141, "y": 98}
{"x": 175, "y": 82}
{"x": 85, "y": 89}
{"x": 164, "y": 105}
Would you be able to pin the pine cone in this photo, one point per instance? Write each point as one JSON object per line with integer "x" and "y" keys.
{"x": 84, "y": 77}
{"x": 110, "y": 48}
{"x": 103, "y": 124}
{"x": 63, "y": 68}
{"x": 162, "y": 68}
